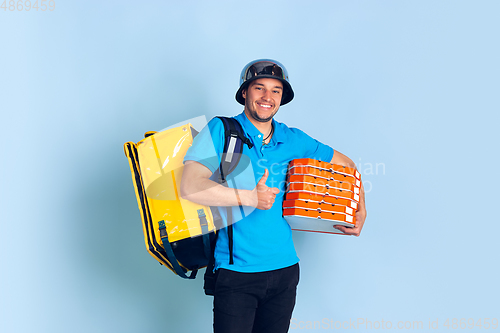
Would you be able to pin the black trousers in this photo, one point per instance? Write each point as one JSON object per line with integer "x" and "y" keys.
{"x": 255, "y": 302}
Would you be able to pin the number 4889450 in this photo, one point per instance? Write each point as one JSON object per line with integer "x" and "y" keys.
{"x": 28, "y": 5}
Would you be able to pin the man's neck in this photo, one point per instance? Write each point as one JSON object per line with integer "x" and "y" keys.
{"x": 263, "y": 127}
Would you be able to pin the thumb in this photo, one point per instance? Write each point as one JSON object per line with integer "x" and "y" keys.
{"x": 263, "y": 180}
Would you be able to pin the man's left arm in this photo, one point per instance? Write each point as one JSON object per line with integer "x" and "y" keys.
{"x": 341, "y": 159}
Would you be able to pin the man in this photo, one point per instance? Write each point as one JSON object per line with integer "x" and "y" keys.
{"x": 256, "y": 293}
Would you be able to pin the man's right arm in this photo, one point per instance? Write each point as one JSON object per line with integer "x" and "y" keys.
{"x": 196, "y": 186}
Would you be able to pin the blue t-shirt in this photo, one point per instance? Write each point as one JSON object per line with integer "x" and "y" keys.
{"x": 262, "y": 239}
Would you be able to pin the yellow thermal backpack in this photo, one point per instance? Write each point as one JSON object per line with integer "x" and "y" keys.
{"x": 180, "y": 234}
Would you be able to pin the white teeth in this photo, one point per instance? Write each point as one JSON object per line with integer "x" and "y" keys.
{"x": 265, "y": 106}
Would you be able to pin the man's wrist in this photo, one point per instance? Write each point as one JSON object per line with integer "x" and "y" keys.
{"x": 244, "y": 198}
{"x": 238, "y": 197}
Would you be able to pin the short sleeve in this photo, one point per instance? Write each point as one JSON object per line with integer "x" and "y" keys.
{"x": 312, "y": 148}
{"x": 208, "y": 145}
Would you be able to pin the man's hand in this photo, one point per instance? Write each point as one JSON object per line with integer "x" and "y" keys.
{"x": 341, "y": 159}
{"x": 360, "y": 217}
{"x": 262, "y": 195}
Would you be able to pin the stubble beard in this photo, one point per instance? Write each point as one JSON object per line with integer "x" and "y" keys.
{"x": 256, "y": 116}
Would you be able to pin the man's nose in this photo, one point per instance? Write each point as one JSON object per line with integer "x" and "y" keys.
{"x": 267, "y": 95}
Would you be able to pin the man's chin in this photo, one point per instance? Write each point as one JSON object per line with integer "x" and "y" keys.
{"x": 255, "y": 116}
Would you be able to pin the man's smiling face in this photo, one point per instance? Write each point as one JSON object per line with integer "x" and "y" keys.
{"x": 263, "y": 98}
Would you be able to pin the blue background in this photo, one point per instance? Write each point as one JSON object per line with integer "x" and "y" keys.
{"x": 412, "y": 86}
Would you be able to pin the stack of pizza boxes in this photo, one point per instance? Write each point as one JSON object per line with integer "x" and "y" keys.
{"x": 320, "y": 195}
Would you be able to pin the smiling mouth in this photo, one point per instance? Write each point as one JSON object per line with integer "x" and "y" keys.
{"x": 265, "y": 106}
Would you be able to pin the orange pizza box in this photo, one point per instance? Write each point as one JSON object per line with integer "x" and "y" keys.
{"x": 306, "y": 196}
{"x": 311, "y": 224}
{"x": 302, "y": 220}
{"x": 323, "y": 174}
{"x": 323, "y": 190}
{"x": 318, "y": 206}
{"x": 339, "y": 218}
{"x": 325, "y": 166}
{"x": 344, "y": 185}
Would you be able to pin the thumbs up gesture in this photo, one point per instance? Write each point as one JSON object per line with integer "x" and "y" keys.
{"x": 265, "y": 195}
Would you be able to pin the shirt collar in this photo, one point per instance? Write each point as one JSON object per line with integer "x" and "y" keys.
{"x": 279, "y": 134}
{"x": 247, "y": 125}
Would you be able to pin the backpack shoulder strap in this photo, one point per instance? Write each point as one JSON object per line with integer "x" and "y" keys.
{"x": 234, "y": 139}
{"x": 233, "y": 147}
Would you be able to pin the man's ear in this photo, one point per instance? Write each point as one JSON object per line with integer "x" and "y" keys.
{"x": 244, "y": 93}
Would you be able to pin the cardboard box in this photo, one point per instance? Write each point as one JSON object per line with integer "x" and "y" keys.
{"x": 320, "y": 195}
